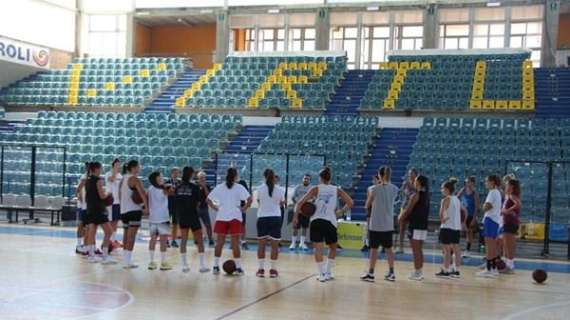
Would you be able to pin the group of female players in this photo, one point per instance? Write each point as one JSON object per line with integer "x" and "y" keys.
{"x": 185, "y": 202}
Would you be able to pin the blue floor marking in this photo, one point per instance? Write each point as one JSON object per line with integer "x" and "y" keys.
{"x": 548, "y": 266}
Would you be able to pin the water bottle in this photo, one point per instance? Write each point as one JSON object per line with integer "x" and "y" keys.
{"x": 348, "y": 216}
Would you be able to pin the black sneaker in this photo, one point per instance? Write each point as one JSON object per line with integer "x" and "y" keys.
{"x": 174, "y": 244}
{"x": 368, "y": 277}
{"x": 455, "y": 274}
{"x": 364, "y": 248}
{"x": 390, "y": 276}
{"x": 244, "y": 246}
{"x": 216, "y": 270}
{"x": 211, "y": 243}
{"x": 442, "y": 274}
{"x": 239, "y": 272}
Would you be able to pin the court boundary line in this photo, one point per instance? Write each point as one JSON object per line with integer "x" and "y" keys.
{"x": 515, "y": 315}
{"x": 262, "y": 298}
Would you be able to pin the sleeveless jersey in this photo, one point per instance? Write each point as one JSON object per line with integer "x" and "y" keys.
{"x": 127, "y": 203}
{"x": 327, "y": 201}
{"x": 468, "y": 201}
{"x": 454, "y": 214}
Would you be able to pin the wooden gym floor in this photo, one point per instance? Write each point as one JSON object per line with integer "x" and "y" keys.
{"x": 42, "y": 278}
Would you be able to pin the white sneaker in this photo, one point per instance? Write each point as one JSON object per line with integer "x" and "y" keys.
{"x": 108, "y": 260}
{"x": 322, "y": 277}
{"x": 486, "y": 274}
{"x": 329, "y": 276}
{"x": 292, "y": 246}
{"x": 304, "y": 247}
{"x": 416, "y": 276}
{"x": 204, "y": 269}
{"x": 93, "y": 259}
{"x": 465, "y": 255}
{"x": 185, "y": 268}
{"x": 130, "y": 266}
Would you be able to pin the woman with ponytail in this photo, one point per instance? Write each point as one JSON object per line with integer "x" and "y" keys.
{"x": 416, "y": 214}
{"x": 270, "y": 198}
{"x": 228, "y": 200}
{"x": 323, "y": 226}
{"x": 450, "y": 229}
{"x": 187, "y": 201}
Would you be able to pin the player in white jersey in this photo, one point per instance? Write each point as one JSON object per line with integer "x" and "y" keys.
{"x": 112, "y": 182}
{"x": 450, "y": 214}
{"x": 271, "y": 199}
{"x": 324, "y": 220}
{"x": 131, "y": 212}
{"x": 159, "y": 219}
{"x": 81, "y": 211}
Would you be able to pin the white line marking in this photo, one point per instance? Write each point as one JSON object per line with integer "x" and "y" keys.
{"x": 516, "y": 315}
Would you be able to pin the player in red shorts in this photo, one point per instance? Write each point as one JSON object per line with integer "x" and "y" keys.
{"x": 226, "y": 199}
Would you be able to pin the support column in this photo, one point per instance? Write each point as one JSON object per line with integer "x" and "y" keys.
{"x": 322, "y": 29}
{"x": 431, "y": 22}
{"x": 78, "y": 27}
{"x": 222, "y": 36}
{"x": 131, "y": 35}
{"x": 550, "y": 33}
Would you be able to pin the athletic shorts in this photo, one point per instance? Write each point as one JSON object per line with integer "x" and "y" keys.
{"x": 490, "y": 228}
{"x": 323, "y": 231}
{"x": 96, "y": 218}
{"x": 304, "y": 222}
{"x": 417, "y": 234}
{"x": 204, "y": 215}
{"x": 449, "y": 236}
{"x": 269, "y": 228}
{"x": 172, "y": 215}
{"x": 131, "y": 218}
{"x": 81, "y": 216}
{"x": 159, "y": 229}
{"x": 511, "y": 228}
{"x": 233, "y": 227}
{"x": 189, "y": 221}
{"x": 380, "y": 238}
{"x": 114, "y": 212}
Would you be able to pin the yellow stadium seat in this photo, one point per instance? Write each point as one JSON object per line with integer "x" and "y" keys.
{"x": 303, "y": 66}
{"x": 161, "y": 67}
{"x": 392, "y": 65}
{"x": 501, "y": 104}
{"x": 514, "y": 104}
{"x": 404, "y": 65}
{"x": 415, "y": 65}
{"x": 297, "y": 103}
{"x": 303, "y": 79}
{"x": 475, "y": 104}
{"x": 426, "y": 65}
{"x": 110, "y": 86}
{"x": 383, "y": 66}
{"x": 145, "y": 73}
{"x": 282, "y": 65}
{"x": 127, "y": 79}
{"x": 180, "y": 102}
{"x": 292, "y": 66}
{"x": 527, "y": 105}
{"x": 389, "y": 104}
{"x": 253, "y": 103}
{"x": 92, "y": 92}
{"x": 488, "y": 104}
{"x": 393, "y": 95}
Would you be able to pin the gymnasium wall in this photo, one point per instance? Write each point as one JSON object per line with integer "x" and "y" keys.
{"x": 564, "y": 31}
{"x": 197, "y": 42}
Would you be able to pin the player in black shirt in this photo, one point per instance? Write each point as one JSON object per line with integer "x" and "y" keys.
{"x": 187, "y": 202}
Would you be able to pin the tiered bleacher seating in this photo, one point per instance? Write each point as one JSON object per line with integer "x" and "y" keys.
{"x": 267, "y": 82}
{"x": 463, "y": 147}
{"x": 97, "y": 82}
{"x": 452, "y": 82}
{"x": 343, "y": 141}
{"x": 159, "y": 141}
